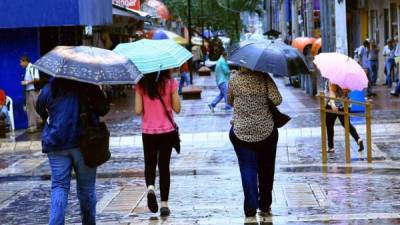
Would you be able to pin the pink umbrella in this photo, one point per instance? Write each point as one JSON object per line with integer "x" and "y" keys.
{"x": 342, "y": 70}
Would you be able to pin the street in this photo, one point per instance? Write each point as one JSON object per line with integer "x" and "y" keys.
{"x": 205, "y": 183}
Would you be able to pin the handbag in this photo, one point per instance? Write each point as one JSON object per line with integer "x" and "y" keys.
{"x": 94, "y": 139}
{"x": 175, "y": 139}
{"x": 280, "y": 119}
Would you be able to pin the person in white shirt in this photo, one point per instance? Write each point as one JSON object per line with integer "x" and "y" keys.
{"x": 30, "y": 78}
{"x": 388, "y": 53}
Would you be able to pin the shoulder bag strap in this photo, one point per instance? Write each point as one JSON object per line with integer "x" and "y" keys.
{"x": 167, "y": 112}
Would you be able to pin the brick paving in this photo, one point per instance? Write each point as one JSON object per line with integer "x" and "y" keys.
{"x": 205, "y": 185}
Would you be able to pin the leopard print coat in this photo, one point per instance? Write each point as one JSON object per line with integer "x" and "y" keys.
{"x": 249, "y": 93}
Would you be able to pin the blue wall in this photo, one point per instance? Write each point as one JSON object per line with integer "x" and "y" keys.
{"x": 43, "y": 13}
{"x": 14, "y": 44}
{"x": 95, "y": 12}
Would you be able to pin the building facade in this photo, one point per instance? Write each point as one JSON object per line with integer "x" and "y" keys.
{"x": 42, "y": 25}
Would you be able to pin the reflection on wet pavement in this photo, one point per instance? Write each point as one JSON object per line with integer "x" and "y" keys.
{"x": 206, "y": 187}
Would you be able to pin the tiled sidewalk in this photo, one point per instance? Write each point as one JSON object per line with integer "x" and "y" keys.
{"x": 205, "y": 185}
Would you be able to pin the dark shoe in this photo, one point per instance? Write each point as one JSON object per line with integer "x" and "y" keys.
{"x": 250, "y": 212}
{"x": 164, "y": 211}
{"x": 371, "y": 94}
{"x": 360, "y": 146}
{"x": 331, "y": 150}
{"x": 394, "y": 94}
{"x": 265, "y": 213}
{"x": 152, "y": 201}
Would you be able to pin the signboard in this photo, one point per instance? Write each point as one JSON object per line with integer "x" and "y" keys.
{"x": 131, "y": 4}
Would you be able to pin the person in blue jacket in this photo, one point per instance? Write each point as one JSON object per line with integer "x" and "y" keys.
{"x": 58, "y": 105}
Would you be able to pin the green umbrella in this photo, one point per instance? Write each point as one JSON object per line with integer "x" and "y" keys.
{"x": 154, "y": 55}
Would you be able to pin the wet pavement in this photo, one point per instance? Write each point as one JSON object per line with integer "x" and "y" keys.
{"x": 205, "y": 183}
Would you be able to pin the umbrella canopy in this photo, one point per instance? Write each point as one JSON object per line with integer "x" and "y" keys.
{"x": 270, "y": 57}
{"x": 316, "y": 46}
{"x": 301, "y": 42}
{"x": 162, "y": 10}
{"x": 273, "y": 33}
{"x": 161, "y": 34}
{"x": 342, "y": 70}
{"x": 89, "y": 65}
{"x": 154, "y": 55}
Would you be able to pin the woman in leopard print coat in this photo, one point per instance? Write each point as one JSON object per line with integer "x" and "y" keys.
{"x": 254, "y": 136}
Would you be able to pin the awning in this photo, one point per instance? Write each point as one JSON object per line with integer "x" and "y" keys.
{"x": 126, "y": 12}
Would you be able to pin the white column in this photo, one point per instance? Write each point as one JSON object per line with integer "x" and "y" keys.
{"x": 341, "y": 27}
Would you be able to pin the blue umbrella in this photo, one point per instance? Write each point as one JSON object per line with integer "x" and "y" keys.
{"x": 154, "y": 55}
{"x": 159, "y": 34}
{"x": 89, "y": 65}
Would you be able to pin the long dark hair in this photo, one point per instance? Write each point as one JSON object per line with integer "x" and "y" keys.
{"x": 65, "y": 86}
{"x": 153, "y": 84}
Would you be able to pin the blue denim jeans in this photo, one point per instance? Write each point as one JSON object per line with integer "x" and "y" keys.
{"x": 257, "y": 169}
{"x": 373, "y": 71}
{"x": 389, "y": 70}
{"x": 62, "y": 163}
{"x": 4, "y": 112}
{"x": 184, "y": 79}
{"x": 397, "y": 90}
{"x": 223, "y": 94}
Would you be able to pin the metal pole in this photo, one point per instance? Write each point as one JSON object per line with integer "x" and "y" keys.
{"x": 190, "y": 34}
{"x": 323, "y": 126}
{"x": 347, "y": 130}
{"x": 202, "y": 22}
{"x": 368, "y": 124}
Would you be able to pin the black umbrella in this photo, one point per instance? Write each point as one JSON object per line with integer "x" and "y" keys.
{"x": 273, "y": 33}
{"x": 271, "y": 57}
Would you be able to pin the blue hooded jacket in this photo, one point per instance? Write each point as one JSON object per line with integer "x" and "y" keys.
{"x": 61, "y": 112}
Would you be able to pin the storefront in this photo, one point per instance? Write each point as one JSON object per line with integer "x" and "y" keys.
{"x": 33, "y": 28}
{"x": 383, "y": 24}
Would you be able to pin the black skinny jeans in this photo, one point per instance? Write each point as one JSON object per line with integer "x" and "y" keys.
{"x": 330, "y": 123}
{"x": 157, "y": 150}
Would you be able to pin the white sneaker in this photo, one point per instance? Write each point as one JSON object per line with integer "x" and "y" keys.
{"x": 211, "y": 108}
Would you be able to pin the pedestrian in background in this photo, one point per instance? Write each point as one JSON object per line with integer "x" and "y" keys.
{"x": 4, "y": 116}
{"x": 59, "y": 105}
{"x": 336, "y": 92}
{"x": 184, "y": 73}
{"x": 3, "y": 108}
{"x": 31, "y": 94}
{"x": 254, "y": 136}
{"x": 157, "y": 94}
{"x": 197, "y": 57}
{"x": 222, "y": 75}
{"x": 396, "y": 91}
{"x": 373, "y": 57}
{"x": 388, "y": 53}
{"x": 363, "y": 53}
